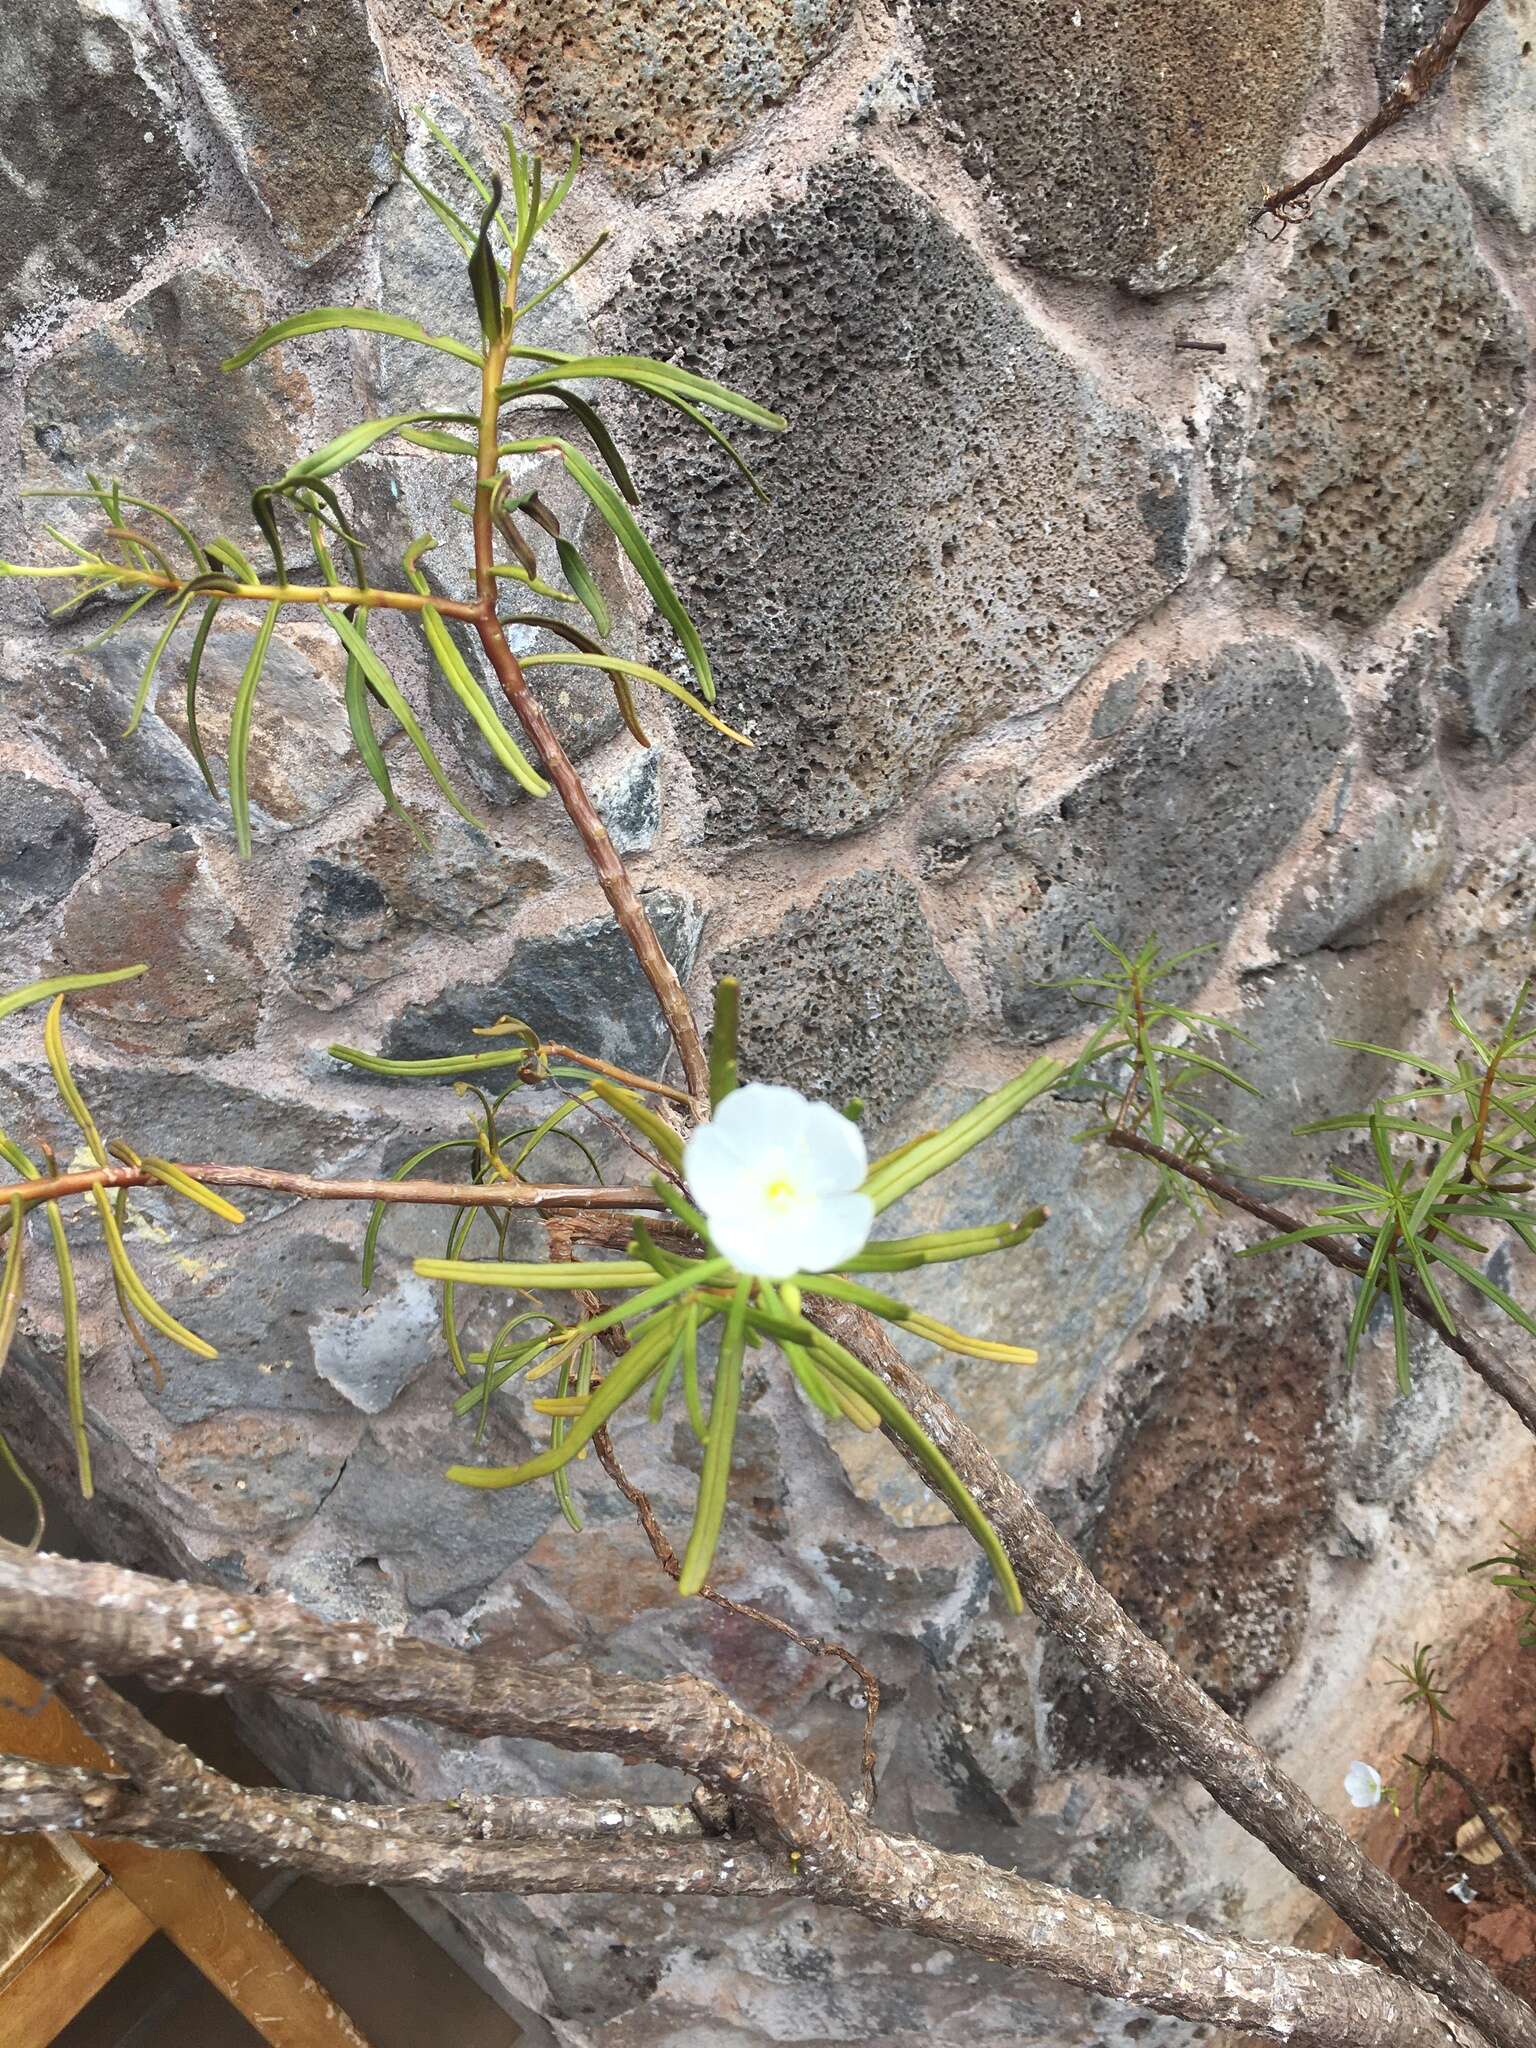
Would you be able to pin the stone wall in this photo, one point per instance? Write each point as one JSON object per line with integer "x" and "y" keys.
{"x": 1051, "y": 620}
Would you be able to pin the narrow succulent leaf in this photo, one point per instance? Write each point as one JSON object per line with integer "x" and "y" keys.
{"x": 596, "y": 1276}
{"x": 356, "y": 441}
{"x": 615, "y": 665}
{"x": 1207, "y": 1065}
{"x": 720, "y": 438}
{"x": 64, "y": 984}
{"x": 536, "y": 299}
{"x": 449, "y": 1066}
{"x": 461, "y": 680}
{"x": 225, "y": 551}
{"x": 577, "y": 638}
{"x": 621, "y": 521}
{"x": 1483, "y": 1285}
{"x": 655, "y": 1130}
{"x": 668, "y": 1372}
{"x": 724, "y": 1076}
{"x": 841, "y": 1364}
{"x": 909, "y": 1167}
{"x": 69, "y": 1307}
{"x": 697, "y": 1420}
{"x": 1439, "y": 1178}
{"x": 587, "y": 415}
{"x": 720, "y": 1442}
{"x": 383, "y": 685}
{"x": 944, "y": 1247}
{"x": 629, "y": 1374}
{"x": 402, "y": 1172}
{"x": 157, "y": 1317}
{"x": 237, "y": 762}
{"x": 189, "y": 1187}
{"x": 582, "y": 583}
{"x": 1397, "y": 1056}
{"x": 1399, "y": 1328}
{"x": 64, "y": 1080}
{"x": 322, "y": 318}
{"x": 458, "y": 229}
{"x": 124, "y": 616}
{"x": 194, "y": 672}
{"x": 11, "y": 1279}
{"x": 440, "y": 443}
{"x": 914, "y": 1320}
{"x": 646, "y": 373}
{"x": 1365, "y": 1300}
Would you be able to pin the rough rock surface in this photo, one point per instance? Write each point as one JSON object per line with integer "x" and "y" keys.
{"x": 1489, "y": 682}
{"x": 46, "y": 839}
{"x": 1221, "y": 1485}
{"x": 142, "y": 398}
{"x": 648, "y": 88}
{"x": 581, "y": 985}
{"x": 1493, "y": 91}
{"x": 94, "y": 178}
{"x": 1194, "y": 804}
{"x": 1021, "y": 520}
{"x": 162, "y": 903}
{"x": 1396, "y": 374}
{"x": 1131, "y": 145}
{"x": 300, "y": 95}
{"x": 866, "y": 936}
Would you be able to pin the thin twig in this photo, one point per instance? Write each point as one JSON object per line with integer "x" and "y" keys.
{"x": 433, "y": 1193}
{"x": 1519, "y": 1862}
{"x": 1505, "y": 1381}
{"x": 1410, "y": 90}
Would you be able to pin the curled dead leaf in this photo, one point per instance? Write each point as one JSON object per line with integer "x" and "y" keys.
{"x": 1474, "y": 1844}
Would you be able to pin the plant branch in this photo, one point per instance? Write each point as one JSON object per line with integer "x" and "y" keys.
{"x": 431, "y": 1193}
{"x": 1519, "y": 1862}
{"x": 1411, "y": 89}
{"x": 1189, "y": 1727}
{"x": 612, "y": 875}
{"x": 1511, "y": 1385}
{"x": 192, "y": 1638}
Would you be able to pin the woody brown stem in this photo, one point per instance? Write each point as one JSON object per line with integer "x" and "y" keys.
{"x": 804, "y": 1840}
{"x": 1187, "y": 1725}
{"x": 612, "y": 875}
{"x": 431, "y": 1193}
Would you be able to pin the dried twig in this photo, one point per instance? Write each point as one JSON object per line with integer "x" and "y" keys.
{"x": 432, "y": 1193}
{"x": 1291, "y": 202}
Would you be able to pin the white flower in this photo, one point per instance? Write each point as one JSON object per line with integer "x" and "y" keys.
{"x": 777, "y": 1178}
{"x": 1363, "y": 1784}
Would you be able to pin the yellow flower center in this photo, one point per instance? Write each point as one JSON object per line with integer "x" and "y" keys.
{"x": 781, "y": 1193}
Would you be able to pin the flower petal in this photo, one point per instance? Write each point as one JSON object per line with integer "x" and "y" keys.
{"x": 836, "y": 1159}
{"x": 841, "y": 1228}
{"x": 759, "y": 1241}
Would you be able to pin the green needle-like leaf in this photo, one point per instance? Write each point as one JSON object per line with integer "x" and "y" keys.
{"x": 64, "y": 984}
{"x": 238, "y": 760}
{"x": 714, "y": 1478}
{"x": 382, "y": 683}
{"x": 363, "y": 318}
